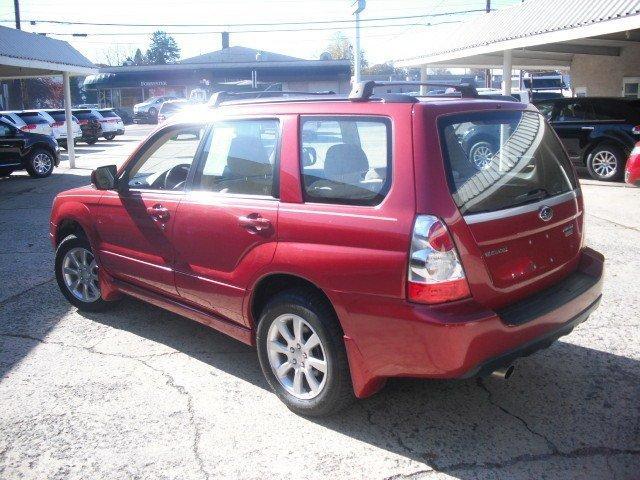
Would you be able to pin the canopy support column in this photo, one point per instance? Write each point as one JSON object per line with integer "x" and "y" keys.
{"x": 507, "y": 70}
{"x": 71, "y": 154}
{"x": 424, "y": 77}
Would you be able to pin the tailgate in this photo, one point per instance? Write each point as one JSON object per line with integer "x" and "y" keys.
{"x": 518, "y": 195}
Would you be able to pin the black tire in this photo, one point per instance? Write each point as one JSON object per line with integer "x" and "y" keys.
{"x": 91, "y": 140}
{"x": 595, "y": 165}
{"x": 41, "y": 163}
{"x": 71, "y": 242}
{"x": 337, "y": 391}
{"x": 109, "y": 136}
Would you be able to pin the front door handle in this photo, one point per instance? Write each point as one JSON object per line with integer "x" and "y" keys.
{"x": 587, "y": 128}
{"x": 254, "y": 222}
{"x": 159, "y": 213}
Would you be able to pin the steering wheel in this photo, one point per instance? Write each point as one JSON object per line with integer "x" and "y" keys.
{"x": 176, "y": 176}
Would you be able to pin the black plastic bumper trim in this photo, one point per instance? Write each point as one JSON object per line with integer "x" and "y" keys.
{"x": 487, "y": 367}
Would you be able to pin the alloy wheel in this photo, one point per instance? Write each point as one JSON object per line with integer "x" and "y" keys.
{"x": 42, "y": 163}
{"x": 80, "y": 273}
{"x": 482, "y": 156}
{"x": 605, "y": 164}
{"x": 297, "y": 356}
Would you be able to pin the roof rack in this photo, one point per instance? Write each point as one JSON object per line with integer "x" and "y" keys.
{"x": 363, "y": 91}
{"x": 223, "y": 96}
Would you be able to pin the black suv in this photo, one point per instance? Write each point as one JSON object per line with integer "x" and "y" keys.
{"x": 19, "y": 150}
{"x": 597, "y": 132}
{"x": 89, "y": 124}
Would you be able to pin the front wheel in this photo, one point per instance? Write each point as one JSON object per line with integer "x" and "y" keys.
{"x": 481, "y": 154}
{"x": 109, "y": 136}
{"x": 77, "y": 274}
{"x": 302, "y": 353}
{"x": 40, "y": 164}
{"x": 606, "y": 163}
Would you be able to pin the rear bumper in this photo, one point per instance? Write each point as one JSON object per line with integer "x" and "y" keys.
{"x": 457, "y": 340}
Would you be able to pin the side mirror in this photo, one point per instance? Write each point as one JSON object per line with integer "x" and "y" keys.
{"x": 105, "y": 178}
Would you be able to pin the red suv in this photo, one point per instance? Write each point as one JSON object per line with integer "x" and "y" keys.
{"x": 349, "y": 239}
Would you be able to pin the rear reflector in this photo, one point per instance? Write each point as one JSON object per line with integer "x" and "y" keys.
{"x": 435, "y": 272}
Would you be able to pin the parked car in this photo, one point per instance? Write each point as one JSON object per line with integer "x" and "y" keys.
{"x": 362, "y": 252}
{"x": 147, "y": 111}
{"x": 111, "y": 123}
{"x": 89, "y": 124}
{"x": 22, "y": 150}
{"x": 125, "y": 115}
{"x": 632, "y": 170}
{"x": 28, "y": 122}
{"x": 59, "y": 126}
{"x": 170, "y": 108}
{"x": 597, "y": 132}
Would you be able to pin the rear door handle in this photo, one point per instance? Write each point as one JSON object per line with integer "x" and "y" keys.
{"x": 159, "y": 213}
{"x": 587, "y": 128}
{"x": 254, "y": 222}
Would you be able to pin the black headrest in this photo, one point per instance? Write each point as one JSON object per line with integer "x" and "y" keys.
{"x": 248, "y": 157}
{"x": 343, "y": 159}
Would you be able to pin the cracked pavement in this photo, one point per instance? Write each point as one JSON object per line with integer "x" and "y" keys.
{"x": 138, "y": 392}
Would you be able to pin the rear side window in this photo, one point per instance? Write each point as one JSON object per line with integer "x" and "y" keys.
{"x": 346, "y": 160}
{"x": 86, "y": 115}
{"x": 240, "y": 157}
{"x": 498, "y": 160}
{"x": 32, "y": 118}
{"x": 108, "y": 113}
{"x": 575, "y": 112}
{"x": 615, "y": 110}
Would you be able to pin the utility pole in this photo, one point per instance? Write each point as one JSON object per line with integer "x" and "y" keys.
{"x": 16, "y": 8}
{"x": 361, "y": 4}
{"x": 487, "y": 72}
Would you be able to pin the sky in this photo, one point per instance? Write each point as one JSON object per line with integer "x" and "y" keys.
{"x": 394, "y": 40}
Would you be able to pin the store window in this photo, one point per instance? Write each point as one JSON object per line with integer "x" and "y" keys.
{"x": 631, "y": 87}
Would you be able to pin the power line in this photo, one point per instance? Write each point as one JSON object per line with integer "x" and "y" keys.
{"x": 232, "y": 25}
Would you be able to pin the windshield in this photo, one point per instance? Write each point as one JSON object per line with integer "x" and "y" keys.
{"x": 498, "y": 160}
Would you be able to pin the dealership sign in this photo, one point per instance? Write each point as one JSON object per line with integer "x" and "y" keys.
{"x": 153, "y": 84}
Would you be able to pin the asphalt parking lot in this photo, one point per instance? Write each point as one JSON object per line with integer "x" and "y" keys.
{"x": 138, "y": 392}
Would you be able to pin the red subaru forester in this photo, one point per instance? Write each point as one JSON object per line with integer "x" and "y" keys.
{"x": 349, "y": 239}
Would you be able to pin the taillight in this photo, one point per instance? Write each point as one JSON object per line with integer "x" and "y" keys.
{"x": 636, "y": 130}
{"x": 29, "y": 127}
{"x": 435, "y": 272}
{"x": 83, "y": 122}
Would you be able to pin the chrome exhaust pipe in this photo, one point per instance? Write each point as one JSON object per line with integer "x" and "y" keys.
{"x": 503, "y": 373}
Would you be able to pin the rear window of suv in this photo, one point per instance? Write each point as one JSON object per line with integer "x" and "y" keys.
{"x": 499, "y": 160}
{"x": 346, "y": 160}
{"x": 84, "y": 115}
{"x": 108, "y": 113}
{"x": 33, "y": 118}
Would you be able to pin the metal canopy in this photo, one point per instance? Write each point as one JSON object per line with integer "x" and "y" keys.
{"x": 540, "y": 33}
{"x": 24, "y": 55}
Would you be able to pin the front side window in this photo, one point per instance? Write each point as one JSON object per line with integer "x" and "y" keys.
{"x": 166, "y": 163}
{"x": 499, "y": 160}
{"x": 240, "y": 157}
{"x": 346, "y": 160}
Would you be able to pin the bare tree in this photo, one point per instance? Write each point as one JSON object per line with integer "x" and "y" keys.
{"x": 116, "y": 54}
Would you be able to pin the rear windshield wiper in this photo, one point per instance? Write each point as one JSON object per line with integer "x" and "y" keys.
{"x": 535, "y": 194}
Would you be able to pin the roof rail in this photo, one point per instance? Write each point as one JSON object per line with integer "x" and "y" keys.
{"x": 223, "y": 96}
{"x": 363, "y": 91}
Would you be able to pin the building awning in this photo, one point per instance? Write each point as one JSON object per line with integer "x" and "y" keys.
{"x": 24, "y": 54}
{"x": 541, "y": 34}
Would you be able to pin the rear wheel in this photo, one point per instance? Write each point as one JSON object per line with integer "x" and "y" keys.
{"x": 77, "y": 274}
{"x": 109, "y": 136}
{"x": 606, "y": 163}
{"x": 40, "y": 164}
{"x": 481, "y": 154}
{"x": 91, "y": 140}
{"x": 302, "y": 353}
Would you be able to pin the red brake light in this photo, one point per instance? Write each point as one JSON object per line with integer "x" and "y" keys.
{"x": 83, "y": 122}
{"x": 30, "y": 126}
{"x": 435, "y": 273}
